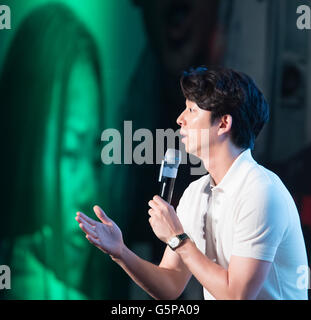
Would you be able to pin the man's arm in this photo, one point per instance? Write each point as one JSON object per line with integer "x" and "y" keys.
{"x": 243, "y": 279}
{"x": 166, "y": 281}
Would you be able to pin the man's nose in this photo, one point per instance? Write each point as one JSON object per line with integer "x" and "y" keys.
{"x": 181, "y": 120}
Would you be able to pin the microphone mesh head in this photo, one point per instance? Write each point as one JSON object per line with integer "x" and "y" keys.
{"x": 173, "y": 157}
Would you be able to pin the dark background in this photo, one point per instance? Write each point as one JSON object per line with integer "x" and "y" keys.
{"x": 142, "y": 48}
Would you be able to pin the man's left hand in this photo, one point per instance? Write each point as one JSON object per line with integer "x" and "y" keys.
{"x": 163, "y": 219}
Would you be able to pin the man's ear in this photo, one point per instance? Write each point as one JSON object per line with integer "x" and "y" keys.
{"x": 225, "y": 124}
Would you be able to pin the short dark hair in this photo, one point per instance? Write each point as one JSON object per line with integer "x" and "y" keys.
{"x": 225, "y": 91}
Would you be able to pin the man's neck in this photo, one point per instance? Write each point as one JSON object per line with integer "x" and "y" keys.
{"x": 220, "y": 162}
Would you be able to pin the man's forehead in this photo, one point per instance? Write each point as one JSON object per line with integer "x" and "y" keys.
{"x": 190, "y": 103}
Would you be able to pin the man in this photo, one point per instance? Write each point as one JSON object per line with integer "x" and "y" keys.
{"x": 237, "y": 229}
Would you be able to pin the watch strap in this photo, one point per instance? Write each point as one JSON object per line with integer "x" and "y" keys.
{"x": 182, "y": 237}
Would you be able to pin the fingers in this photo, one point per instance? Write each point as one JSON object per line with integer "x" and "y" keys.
{"x": 153, "y": 205}
{"x": 157, "y": 205}
{"x": 86, "y": 218}
{"x": 81, "y": 220}
{"x": 89, "y": 230}
{"x": 154, "y": 208}
{"x": 93, "y": 240}
{"x": 159, "y": 201}
{"x": 151, "y": 212}
{"x": 85, "y": 225}
{"x": 101, "y": 215}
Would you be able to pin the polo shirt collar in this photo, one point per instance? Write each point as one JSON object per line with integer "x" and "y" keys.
{"x": 233, "y": 175}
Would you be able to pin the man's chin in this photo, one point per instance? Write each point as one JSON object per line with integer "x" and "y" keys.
{"x": 188, "y": 150}
{"x": 193, "y": 152}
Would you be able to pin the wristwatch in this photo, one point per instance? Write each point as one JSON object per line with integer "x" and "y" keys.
{"x": 176, "y": 241}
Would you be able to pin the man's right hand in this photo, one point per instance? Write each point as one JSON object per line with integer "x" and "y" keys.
{"x": 166, "y": 281}
{"x": 105, "y": 235}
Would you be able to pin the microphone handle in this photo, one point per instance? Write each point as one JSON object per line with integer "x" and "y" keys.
{"x": 167, "y": 187}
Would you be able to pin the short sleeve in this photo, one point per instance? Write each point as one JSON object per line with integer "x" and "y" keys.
{"x": 260, "y": 225}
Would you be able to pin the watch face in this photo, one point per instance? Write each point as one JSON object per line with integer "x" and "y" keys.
{"x": 174, "y": 242}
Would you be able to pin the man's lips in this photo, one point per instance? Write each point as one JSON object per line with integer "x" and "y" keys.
{"x": 182, "y": 133}
{"x": 183, "y": 137}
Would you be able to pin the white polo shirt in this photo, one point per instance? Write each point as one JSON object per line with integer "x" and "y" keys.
{"x": 250, "y": 213}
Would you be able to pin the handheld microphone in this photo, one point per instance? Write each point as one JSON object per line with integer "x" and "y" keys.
{"x": 168, "y": 173}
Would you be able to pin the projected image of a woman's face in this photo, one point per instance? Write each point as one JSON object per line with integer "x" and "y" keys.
{"x": 78, "y": 176}
{"x": 78, "y": 151}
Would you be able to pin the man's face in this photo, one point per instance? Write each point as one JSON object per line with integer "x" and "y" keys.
{"x": 196, "y": 129}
